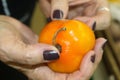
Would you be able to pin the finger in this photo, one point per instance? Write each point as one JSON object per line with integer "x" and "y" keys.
{"x": 92, "y": 59}
{"x": 89, "y": 62}
{"x": 45, "y": 7}
{"x": 100, "y": 42}
{"x": 87, "y": 20}
{"x": 77, "y": 2}
{"x": 13, "y": 48}
{"x": 59, "y": 9}
{"x": 85, "y": 68}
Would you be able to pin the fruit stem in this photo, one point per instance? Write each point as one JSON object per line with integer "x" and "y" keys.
{"x": 56, "y": 33}
{"x": 58, "y": 46}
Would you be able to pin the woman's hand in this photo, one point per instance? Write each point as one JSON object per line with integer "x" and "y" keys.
{"x": 19, "y": 49}
{"x": 89, "y": 64}
{"x": 19, "y": 45}
{"x": 89, "y": 11}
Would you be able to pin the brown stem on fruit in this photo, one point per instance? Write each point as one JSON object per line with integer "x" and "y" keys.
{"x": 54, "y": 38}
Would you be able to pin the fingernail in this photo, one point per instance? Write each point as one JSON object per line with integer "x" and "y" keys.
{"x": 49, "y": 19}
{"x": 58, "y": 14}
{"x": 104, "y": 44}
{"x": 93, "y": 58}
{"x": 94, "y": 26}
{"x": 50, "y": 55}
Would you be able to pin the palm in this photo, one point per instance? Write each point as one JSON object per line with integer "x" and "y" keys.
{"x": 43, "y": 72}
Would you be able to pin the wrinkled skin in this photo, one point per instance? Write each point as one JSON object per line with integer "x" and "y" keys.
{"x": 26, "y": 54}
{"x": 87, "y": 11}
{"x": 19, "y": 44}
{"x": 87, "y": 68}
{"x": 19, "y": 47}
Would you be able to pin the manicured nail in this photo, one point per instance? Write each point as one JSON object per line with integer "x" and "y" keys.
{"x": 94, "y": 26}
{"x": 104, "y": 44}
{"x": 93, "y": 58}
{"x": 49, "y": 19}
{"x": 50, "y": 55}
{"x": 58, "y": 14}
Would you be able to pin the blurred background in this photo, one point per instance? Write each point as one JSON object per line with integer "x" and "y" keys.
{"x": 109, "y": 68}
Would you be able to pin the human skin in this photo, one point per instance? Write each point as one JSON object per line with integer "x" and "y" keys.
{"x": 87, "y": 67}
{"x": 88, "y": 11}
{"x": 19, "y": 44}
{"x": 27, "y": 54}
{"x": 19, "y": 49}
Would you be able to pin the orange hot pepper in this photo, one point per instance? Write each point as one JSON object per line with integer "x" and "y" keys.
{"x": 72, "y": 38}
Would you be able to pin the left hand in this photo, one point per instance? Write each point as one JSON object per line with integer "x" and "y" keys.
{"x": 89, "y": 11}
{"x": 89, "y": 64}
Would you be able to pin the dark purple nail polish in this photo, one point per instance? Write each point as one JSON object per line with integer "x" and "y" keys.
{"x": 49, "y": 19}
{"x": 94, "y": 26}
{"x": 58, "y": 14}
{"x": 93, "y": 58}
{"x": 50, "y": 55}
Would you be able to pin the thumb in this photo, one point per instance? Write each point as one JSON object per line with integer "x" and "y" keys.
{"x": 33, "y": 54}
{"x": 59, "y": 9}
{"x": 29, "y": 54}
{"x": 13, "y": 48}
{"x": 39, "y": 53}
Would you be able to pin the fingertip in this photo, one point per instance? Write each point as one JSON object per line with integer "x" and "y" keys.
{"x": 59, "y": 9}
{"x": 100, "y": 42}
{"x": 93, "y": 58}
{"x": 50, "y": 52}
{"x": 94, "y": 26}
{"x": 41, "y": 53}
{"x": 50, "y": 55}
{"x": 49, "y": 19}
{"x": 57, "y": 14}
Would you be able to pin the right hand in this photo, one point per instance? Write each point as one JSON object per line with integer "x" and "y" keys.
{"x": 87, "y": 67}
{"x": 19, "y": 45}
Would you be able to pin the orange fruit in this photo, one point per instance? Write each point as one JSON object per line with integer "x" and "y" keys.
{"x": 72, "y": 38}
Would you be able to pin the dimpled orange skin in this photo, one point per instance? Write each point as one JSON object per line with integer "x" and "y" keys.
{"x": 75, "y": 42}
